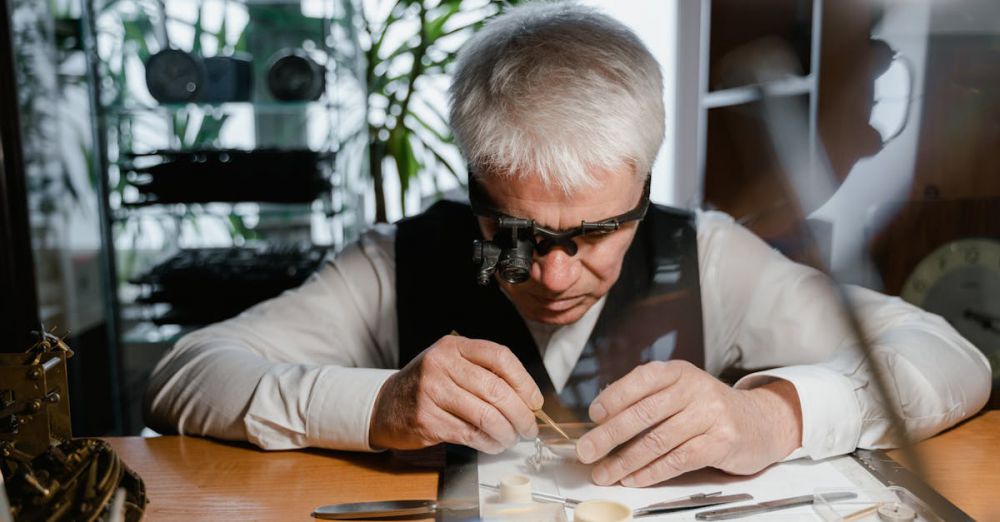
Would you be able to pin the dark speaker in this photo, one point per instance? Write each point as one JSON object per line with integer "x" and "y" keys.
{"x": 174, "y": 76}
{"x": 227, "y": 79}
{"x": 293, "y": 76}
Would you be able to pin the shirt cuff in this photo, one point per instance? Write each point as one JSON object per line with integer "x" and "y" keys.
{"x": 340, "y": 411}
{"x": 831, "y": 416}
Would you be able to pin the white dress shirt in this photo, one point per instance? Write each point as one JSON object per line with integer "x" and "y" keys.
{"x": 304, "y": 369}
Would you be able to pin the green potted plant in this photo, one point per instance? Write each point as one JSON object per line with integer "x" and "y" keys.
{"x": 407, "y": 47}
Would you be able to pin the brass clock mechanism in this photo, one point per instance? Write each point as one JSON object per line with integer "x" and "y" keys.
{"x": 47, "y": 474}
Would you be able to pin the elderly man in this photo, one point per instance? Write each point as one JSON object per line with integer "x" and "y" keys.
{"x": 584, "y": 299}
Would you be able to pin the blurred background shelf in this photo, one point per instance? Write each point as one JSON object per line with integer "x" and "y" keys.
{"x": 751, "y": 93}
{"x": 232, "y": 157}
{"x": 224, "y": 210}
{"x": 275, "y": 107}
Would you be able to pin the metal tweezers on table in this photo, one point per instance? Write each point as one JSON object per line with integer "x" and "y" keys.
{"x": 689, "y": 502}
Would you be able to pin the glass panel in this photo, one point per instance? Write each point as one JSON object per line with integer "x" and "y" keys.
{"x": 64, "y": 205}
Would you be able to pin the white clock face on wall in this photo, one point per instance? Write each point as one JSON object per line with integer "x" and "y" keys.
{"x": 960, "y": 281}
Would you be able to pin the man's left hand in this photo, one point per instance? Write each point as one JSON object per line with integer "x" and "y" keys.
{"x": 668, "y": 418}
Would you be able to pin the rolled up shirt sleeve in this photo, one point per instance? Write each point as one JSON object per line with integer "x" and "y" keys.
{"x": 302, "y": 369}
{"x": 328, "y": 407}
{"x": 831, "y": 417}
{"x": 764, "y": 311}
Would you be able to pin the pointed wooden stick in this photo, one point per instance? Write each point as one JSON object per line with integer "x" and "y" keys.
{"x": 548, "y": 420}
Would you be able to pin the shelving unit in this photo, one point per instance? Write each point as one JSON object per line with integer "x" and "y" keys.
{"x": 137, "y": 131}
{"x": 805, "y": 85}
{"x": 127, "y": 35}
{"x": 696, "y": 97}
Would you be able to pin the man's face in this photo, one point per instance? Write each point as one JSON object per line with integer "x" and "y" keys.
{"x": 563, "y": 287}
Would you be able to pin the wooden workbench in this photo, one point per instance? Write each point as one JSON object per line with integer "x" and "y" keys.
{"x": 190, "y": 479}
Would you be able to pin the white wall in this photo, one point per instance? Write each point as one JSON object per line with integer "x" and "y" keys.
{"x": 655, "y": 22}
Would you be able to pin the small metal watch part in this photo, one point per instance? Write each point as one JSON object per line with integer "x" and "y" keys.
{"x": 896, "y": 512}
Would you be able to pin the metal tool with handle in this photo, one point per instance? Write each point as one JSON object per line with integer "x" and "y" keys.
{"x": 690, "y": 502}
{"x": 772, "y": 505}
{"x": 384, "y": 509}
{"x": 538, "y": 495}
{"x": 678, "y": 504}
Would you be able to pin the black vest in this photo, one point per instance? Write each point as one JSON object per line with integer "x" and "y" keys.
{"x": 653, "y": 311}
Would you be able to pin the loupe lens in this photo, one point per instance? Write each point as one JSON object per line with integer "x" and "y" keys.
{"x": 515, "y": 269}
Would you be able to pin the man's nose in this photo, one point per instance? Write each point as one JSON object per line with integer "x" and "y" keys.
{"x": 556, "y": 270}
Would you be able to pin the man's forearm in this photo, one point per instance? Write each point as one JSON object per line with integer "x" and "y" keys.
{"x": 780, "y": 401}
{"x": 218, "y": 387}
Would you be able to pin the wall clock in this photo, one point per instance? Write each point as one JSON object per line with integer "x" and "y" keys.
{"x": 944, "y": 256}
{"x": 960, "y": 281}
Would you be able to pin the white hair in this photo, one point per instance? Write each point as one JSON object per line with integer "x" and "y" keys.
{"x": 557, "y": 90}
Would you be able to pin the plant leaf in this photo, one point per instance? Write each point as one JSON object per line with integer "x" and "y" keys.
{"x": 443, "y": 119}
{"x": 401, "y": 149}
{"x": 198, "y": 30}
{"x": 447, "y": 165}
{"x": 444, "y": 137}
{"x": 209, "y": 130}
{"x": 181, "y": 120}
{"x": 220, "y": 36}
{"x": 241, "y": 43}
{"x": 135, "y": 33}
{"x": 434, "y": 28}
{"x": 394, "y": 16}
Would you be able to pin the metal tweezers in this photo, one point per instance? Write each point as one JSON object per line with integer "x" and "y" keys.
{"x": 772, "y": 505}
{"x": 539, "y": 496}
{"x": 678, "y": 504}
{"x": 690, "y": 502}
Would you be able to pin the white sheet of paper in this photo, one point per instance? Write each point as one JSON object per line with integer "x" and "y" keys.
{"x": 788, "y": 479}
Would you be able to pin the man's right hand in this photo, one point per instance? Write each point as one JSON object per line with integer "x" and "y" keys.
{"x": 462, "y": 391}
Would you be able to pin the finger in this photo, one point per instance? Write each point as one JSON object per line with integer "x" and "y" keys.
{"x": 463, "y": 404}
{"x": 649, "y": 447}
{"x": 634, "y": 386}
{"x": 492, "y": 389}
{"x": 693, "y": 454}
{"x": 501, "y": 361}
{"x": 637, "y": 418}
{"x": 457, "y": 431}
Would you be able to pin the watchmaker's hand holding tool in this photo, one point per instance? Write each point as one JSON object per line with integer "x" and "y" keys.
{"x": 462, "y": 391}
{"x": 668, "y": 418}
